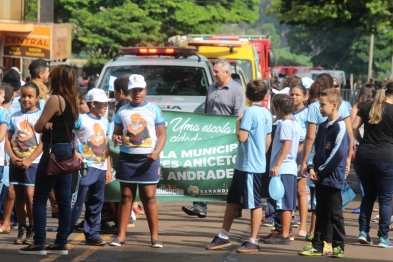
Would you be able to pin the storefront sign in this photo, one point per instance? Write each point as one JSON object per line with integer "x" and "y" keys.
{"x": 50, "y": 42}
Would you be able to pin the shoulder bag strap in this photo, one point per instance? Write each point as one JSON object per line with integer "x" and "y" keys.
{"x": 65, "y": 123}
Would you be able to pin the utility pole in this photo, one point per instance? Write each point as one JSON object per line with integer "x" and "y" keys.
{"x": 370, "y": 58}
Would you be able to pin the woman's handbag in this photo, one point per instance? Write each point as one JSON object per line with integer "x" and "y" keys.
{"x": 61, "y": 166}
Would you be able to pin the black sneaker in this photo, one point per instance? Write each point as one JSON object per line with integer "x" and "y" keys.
{"x": 95, "y": 241}
{"x": 194, "y": 211}
{"x": 22, "y": 233}
{"x": 248, "y": 247}
{"x": 79, "y": 227}
{"x": 57, "y": 249}
{"x": 30, "y": 236}
{"x": 278, "y": 240}
{"x": 30, "y": 250}
{"x": 218, "y": 243}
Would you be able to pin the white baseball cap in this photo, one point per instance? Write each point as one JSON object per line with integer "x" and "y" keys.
{"x": 307, "y": 82}
{"x": 136, "y": 81}
{"x": 97, "y": 95}
{"x": 282, "y": 91}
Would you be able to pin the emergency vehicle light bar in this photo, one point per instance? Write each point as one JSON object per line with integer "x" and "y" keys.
{"x": 169, "y": 51}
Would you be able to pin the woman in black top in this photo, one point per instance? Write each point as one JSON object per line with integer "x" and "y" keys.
{"x": 374, "y": 162}
{"x": 63, "y": 101}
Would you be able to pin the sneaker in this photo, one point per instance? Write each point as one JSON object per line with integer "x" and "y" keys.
{"x": 327, "y": 248}
{"x": 248, "y": 247}
{"x": 291, "y": 236}
{"x": 117, "y": 243}
{"x": 294, "y": 223}
{"x": 310, "y": 251}
{"x": 30, "y": 236}
{"x": 57, "y": 249}
{"x": 364, "y": 238}
{"x": 337, "y": 252}
{"x": 22, "y": 233}
{"x": 272, "y": 234}
{"x": 309, "y": 237}
{"x": 218, "y": 243}
{"x": 194, "y": 211}
{"x": 278, "y": 240}
{"x": 95, "y": 241}
{"x": 376, "y": 218}
{"x": 268, "y": 223}
{"x": 307, "y": 247}
{"x": 79, "y": 227}
{"x": 157, "y": 244}
{"x": 138, "y": 210}
{"x": 384, "y": 242}
{"x": 29, "y": 250}
{"x": 356, "y": 210}
{"x": 14, "y": 225}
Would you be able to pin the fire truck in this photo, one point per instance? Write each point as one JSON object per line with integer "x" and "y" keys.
{"x": 252, "y": 53}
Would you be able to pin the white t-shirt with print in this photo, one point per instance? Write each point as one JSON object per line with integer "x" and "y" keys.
{"x": 139, "y": 127}
{"x": 24, "y": 139}
{"x": 91, "y": 140}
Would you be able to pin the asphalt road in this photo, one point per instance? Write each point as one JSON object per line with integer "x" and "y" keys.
{"x": 185, "y": 237}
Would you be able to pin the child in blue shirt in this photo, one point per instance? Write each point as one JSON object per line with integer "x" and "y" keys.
{"x": 253, "y": 130}
{"x": 289, "y": 135}
{"x": 327, "y": 170}
{"x": 91, "y": 141}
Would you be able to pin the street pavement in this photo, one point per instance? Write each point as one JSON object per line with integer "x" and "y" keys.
{"x": 185, "y": 237}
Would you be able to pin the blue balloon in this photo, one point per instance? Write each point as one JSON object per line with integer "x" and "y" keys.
{"x": 276, "y": 188}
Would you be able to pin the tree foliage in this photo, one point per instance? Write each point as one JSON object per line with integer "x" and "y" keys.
{"x": 373, "y": 16}
{"x": 102, "y": 26}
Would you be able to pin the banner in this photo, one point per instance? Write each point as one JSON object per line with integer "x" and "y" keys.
{"x": 198, "y": 159}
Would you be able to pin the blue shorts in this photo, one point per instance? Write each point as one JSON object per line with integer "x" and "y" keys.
{"x": 245, "y": 189}
{"x": 138, "y": 169}
{"x": 23, "y": 177}
{"x": 288, "y": 201}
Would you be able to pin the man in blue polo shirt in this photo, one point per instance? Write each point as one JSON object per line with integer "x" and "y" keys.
{"x": 224, "y": 97}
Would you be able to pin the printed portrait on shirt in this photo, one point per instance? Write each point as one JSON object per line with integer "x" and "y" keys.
{"x": 137, "y": 134}
{"x": 25, "y": 141}
{"x": 95, "y": 149}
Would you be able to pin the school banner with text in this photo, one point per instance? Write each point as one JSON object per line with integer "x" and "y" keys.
{"x": 198, "y": 159}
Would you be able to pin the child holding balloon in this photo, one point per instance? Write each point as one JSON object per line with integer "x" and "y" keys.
{"x": 328, "y": 170}
{"x": 253, "y": 131}
{"x": 287, "y": 143}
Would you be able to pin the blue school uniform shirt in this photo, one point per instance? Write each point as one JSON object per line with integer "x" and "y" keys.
{"x": 314, "y": 115}
{"x": 24, "y": 138}
{"x": 301, "y": 117}
{"x": 4, "y": 120}
{"x": 250, "y": 157}
{"x": 91, "y": 140}
{"x": 139, "y": 127}
{"x": 287, "y": 130}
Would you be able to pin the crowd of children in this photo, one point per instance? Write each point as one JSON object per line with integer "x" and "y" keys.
{"x": 307, "y": 136}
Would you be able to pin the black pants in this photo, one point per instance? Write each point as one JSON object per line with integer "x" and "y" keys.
{"x": 329, "y": 208}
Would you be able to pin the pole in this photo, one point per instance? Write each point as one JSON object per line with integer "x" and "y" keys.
{"x": 391, "y": 73}
{"x": 370, "y": 58}
{"x": 351, "y": 81}
{"x": 39, "y": 11}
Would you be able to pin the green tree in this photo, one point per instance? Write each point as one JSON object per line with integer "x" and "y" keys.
{"x": 102, "y": 26}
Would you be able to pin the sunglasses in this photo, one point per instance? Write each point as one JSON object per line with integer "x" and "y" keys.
{"x": 336, "y": 86}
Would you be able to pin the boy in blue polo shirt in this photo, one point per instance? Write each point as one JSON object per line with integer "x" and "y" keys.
{"x": 327, "y": 170}
{"x": 253, "y": 129}
{"x": 289, "y": 135}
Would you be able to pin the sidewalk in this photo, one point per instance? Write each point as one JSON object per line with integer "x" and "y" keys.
{"x": 185, "y": 237}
